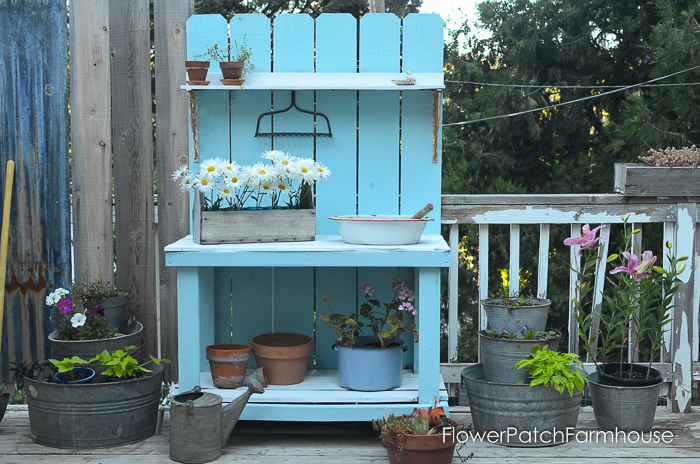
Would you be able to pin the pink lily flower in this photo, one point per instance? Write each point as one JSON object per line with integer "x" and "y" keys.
{"x": 648, "y": 260}
{"x": 632, "y": 267}
{"x": 587, "y": 239}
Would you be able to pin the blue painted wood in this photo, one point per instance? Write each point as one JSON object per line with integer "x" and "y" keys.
{"x": 252, "y": 303}
{"x": 329, "y": 412}
{"x": 195, "y": 296}
{"x": 380, "y": 43}
{"x": 203, "y": 32}
{"x": 222, "y": 305}
{"x": 427, "y": 357}
{"x": 422, "y": 39}
{"x": 255, "y": 28}
{"x": 336, "y": 52}
{"x": 293, "y": 39}
{"x": 34, "y": 115}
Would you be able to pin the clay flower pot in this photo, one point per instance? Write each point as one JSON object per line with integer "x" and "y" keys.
{"x": 228, "y": 364}
{"x": 421, "y": 449}
{"x": 232, "y": 69}
{"x": 283, "y": 355}
{"x": 197, "y": 70}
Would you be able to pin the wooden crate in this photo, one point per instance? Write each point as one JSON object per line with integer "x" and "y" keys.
{"x": 640, "y": 180}
{"x": 259, "y": 226}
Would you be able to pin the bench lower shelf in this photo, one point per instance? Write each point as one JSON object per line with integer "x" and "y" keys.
{"x": 320, "y": 398}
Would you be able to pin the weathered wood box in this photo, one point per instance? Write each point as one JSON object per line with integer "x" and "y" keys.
{"x": 252, "y": 226}
{"x": 640, "y": 180}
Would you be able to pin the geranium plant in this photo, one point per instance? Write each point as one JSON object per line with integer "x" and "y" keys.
{"x": 284, "y": 180}
{"x": 386, "y": 324}
{"x": 73, "y": 324}
{"x": 639, "y": 300}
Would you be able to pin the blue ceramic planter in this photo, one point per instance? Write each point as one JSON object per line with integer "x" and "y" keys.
{"x": 61, "y": 376}
{"x": 369, "y": 368}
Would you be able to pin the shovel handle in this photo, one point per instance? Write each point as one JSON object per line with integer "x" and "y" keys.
{"x": 4, "y": 236}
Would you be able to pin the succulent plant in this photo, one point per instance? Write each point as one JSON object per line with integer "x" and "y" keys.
{"x": 673, "y": 157}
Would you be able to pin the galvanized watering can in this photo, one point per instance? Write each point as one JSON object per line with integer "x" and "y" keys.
{"x": 199, "y": 427}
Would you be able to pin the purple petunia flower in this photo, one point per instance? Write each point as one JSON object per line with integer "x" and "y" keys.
{"x": 66, "y": 306}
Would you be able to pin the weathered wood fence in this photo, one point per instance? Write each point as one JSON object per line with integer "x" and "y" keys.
{"x": 111, "y": 157}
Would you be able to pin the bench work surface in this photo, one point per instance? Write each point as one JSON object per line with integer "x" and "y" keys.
{"x": 309, "y": 443}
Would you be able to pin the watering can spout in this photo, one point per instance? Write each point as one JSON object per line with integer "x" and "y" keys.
{"x": 232, "y": 412}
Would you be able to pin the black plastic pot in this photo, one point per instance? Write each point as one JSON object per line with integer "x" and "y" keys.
{"x": 605, "y": 377}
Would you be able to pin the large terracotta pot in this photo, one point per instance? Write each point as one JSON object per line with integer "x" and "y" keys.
{"x": 228, "y": 364}
{"x": 423, "y": 449}
{"x": 284, "y": 356}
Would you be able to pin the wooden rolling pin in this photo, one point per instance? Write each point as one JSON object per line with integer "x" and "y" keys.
{"x": 426, "y": 209}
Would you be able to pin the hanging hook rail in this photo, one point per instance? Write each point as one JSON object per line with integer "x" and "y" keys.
{"x": 292, "y": 134}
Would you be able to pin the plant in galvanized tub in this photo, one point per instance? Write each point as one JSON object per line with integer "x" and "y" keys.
{"x": 68, "y": 372}
{"x": 502, "y": 350}
{"x": 91, "y": 320}
{"x": 625, "y": 395}
{"x": 264, "y": 202}
{"x": 92, "y": 415}
{"x": 415, "y": 439}
{"x": 516, "y": 312}
{"x": 373, "y": 363}
{"x": 536, "y": 414}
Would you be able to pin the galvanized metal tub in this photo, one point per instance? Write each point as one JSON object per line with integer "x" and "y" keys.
{"x": 370, "y": 369}
{"x": 94, "y": 415}
{"x": 88, "y": 349}
{"x": 519, "y": 414}
{"x": 533, "y": 316}
{"x": 499, "y": 356}
{"x": 623, "y": 408}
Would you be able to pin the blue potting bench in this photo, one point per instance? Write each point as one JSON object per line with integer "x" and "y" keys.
{"x": 384, "y": 156}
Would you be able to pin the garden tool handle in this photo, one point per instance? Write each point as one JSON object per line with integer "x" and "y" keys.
{"x": 425, "y": 210}
{"x": 4, "y": 236}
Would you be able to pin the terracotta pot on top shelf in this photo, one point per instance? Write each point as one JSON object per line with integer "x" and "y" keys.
{"x": 197, "y": 70}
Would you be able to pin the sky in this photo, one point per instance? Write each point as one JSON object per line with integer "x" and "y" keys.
{"x": 453, "y": 12}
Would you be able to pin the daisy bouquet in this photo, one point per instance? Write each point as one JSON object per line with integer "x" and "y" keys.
{"x": 278, "y": 181}
{"x": 73, "y": 324}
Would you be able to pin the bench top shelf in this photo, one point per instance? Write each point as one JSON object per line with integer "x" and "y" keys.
{"x": 325, "y": 251}
{"x": 324, "y": 81}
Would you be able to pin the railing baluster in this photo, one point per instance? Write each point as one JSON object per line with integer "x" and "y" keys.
{"x": 453, "y": 294}
{"x": 483, "y": 274}
{"x": 598, "y": 286}
{"x": 633, "y": 356}
{"x": 669, "y": 236}
{"x": 514, "y": 271}
{"x": 543, "y": 262}
{"x": 575, "y": 263}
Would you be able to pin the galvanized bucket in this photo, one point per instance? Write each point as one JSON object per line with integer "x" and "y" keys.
{"x": 533, "y": 316}
{"x": 499, "y": 356}
{"x": 88, "y": 349}
{"x": 116, "y": 313}
{"x": 370, "y": 369}
{"x": 623, "y": 408}
{"x": 94, "y": 415}
{"x": 516, "y": 411}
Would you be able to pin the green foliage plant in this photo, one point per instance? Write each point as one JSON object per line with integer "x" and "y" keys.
{"x": 525, "y": 334}
{"x": 551, "y": 368}
{"x": 237, "y": 53}
{"x": 387, "y": 324}
{"x": 120, "y": 365}
{"x": 99, "y": 289}
{"x": 67, "y": 366}
{"x": 639, "y": 299}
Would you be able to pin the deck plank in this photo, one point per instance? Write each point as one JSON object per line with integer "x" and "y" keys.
{"x": 309, "y": 443}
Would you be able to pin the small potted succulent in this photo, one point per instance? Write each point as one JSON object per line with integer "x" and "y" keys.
{"x": 232, "y": 70}
{"x": 671, "y": 172}
{"x": 415, "y": 439}
{"x": 103, "y": 297}
{"x": 638, "y": 303}
{"x": 373, "y": 363}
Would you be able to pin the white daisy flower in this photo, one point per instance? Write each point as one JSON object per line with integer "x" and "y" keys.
{"x": 323, "y": 171}
{"x": 210, "y": 169}
{"x": 273, "y": 155}
{"x": 186, "y": 184}
{"x": 230, "y": 169}
{"x": 263, "y": 173}
{"x": 235, "y": 182}
{"x": 183, "y": 171}
{"x": 304, "y": 169}
{"x": 78, "y": 319}
{"x": 203, "y": 185}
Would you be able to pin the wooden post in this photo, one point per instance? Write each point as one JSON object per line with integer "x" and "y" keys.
{"x": 133, "y": 161}
{"x": 377, "y": 6}
{"x": 91, "y": 126}
{"x": 34, "y": 115}
{"x": 172, "y": 151}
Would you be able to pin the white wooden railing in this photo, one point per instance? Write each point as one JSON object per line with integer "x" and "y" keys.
{"x": 680, "y": 217}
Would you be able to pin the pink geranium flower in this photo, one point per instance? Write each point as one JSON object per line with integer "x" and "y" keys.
{"x": 587, "y": 239}
{"x": 368, "y": 289}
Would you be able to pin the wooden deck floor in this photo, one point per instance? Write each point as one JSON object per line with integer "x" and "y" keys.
{"x": 294, "y": 443}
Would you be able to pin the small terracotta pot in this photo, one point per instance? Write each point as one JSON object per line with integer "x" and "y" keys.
{"x": 422, "y": 449}
{"x": 197, "y": 70}
{"x": 283, "y": 355}
{"x": 232, "y": 69}
{"x": 228, "y": 364}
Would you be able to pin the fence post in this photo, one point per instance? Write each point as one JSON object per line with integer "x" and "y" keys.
{"x": 172, "y": 151}
{"x": 91, "y": 127}
{"x": 133, "y": 161}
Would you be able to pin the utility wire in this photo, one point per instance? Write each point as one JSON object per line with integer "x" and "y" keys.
{"x": 484, "y": 84}
{"x": 502, "y": 116}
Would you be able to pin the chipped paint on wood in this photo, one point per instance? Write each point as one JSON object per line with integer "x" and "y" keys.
{"x": 34, "y": 122}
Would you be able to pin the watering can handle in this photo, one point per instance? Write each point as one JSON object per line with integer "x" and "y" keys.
{"x": 334, "y": 347}
{"x": 405, "y": 348}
